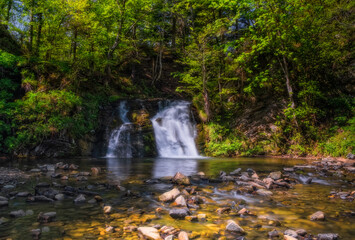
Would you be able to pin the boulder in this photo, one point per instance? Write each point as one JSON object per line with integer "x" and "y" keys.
{"x": 301, "y": 232}
{"x": 180, "y": 202}
{"x": 36, "y": 233}
{"x": 149, "y": 233}
{"x": 180, "y": 178}
{"x": 183, "y": 236}
{"x": 59, "y": 197}
{"x": 275, "y": 175}
{"x": 234, "y": 227}
{"x": 179, "y": 213}
{"x": 169, "y": 196}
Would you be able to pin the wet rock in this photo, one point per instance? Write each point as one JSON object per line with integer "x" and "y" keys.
{"x": 234, "y": 227}
{"x": 263, "y": 192}
{"x": 36, "y": 233}
{"x": 179, "y": 213}
{"x": 81, "y": 178}
{"x": 309, "y": 181}
{"x": 73, "y": 167}
{"x": 45, "y": 229}
{"x": 3, "y": 198}
{"x": 236, "y": 171}
{"x": 4, "y": 203}
{"x": 327, "y": 236}
{"x": 273, "y": 234}
{"x": 350, "y": 169}
{"x": 95, "y": 170}
{"x": 64, "y": 178}
{"x": 23, "y": 194}
{"x": 275, "y": 175}
{"x": 109, "y": 229}
{"x": 56, "y": 175}
{"x": 180, "y": 178}
{"x": 180, "y": 202}
{"x": 301, "y": 232}
{"x": 59, "y": 197}
{"x": 201, "y": 217}
{"x": 170, "y": 237}
{"x": 287, "y": 237}
{"x": 18, "y": 213}
{"x": 42, "y": 185}
{"x": 46, "y": 217}
{"x": 291, "y": 233}
{"x": 3, "y": 220}
{"x": 223, "y": 210}
{"x": 183, "y": 236}
{"x": 39, "y": 198}
{"x": 92, "y": 201}
{"x": 107, "y": 209}
{"x": 289, "y": 169}
{"x": 350, "y": 156}
{"x": 29, "y": 212}
{"x": 191, "y": 218}
{"x": 255, "y": 176}
{"x": 8, "y": 187}
{"x": 80, "y": 199}
{"x": 149, "y": 233}
{"x": 98, "y": 198}
{"x": 317, "y": 216}
{"x": 169, "y": 196}
{"x": 35, "y": 170}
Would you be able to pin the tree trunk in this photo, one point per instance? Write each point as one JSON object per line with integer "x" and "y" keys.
{"x": 204, "y": 87}
{"x": 39, "y": 33}
{"x": 31, "y": 27}
{"x": 115, "y": 44}
{"x": 9, "y": 6}
{"x": 75, "y": 43}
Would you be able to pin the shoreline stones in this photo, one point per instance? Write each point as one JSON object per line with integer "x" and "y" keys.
{"x": 179, "y": 213}
{"x": 149, "y": 233}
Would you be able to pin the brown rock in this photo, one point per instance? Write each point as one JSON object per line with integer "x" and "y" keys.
{"x": 169, "y": 196}
{"x": 180, "y": 178}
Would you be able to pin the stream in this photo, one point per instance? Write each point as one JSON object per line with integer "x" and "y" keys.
{"x": 141, "y": 180}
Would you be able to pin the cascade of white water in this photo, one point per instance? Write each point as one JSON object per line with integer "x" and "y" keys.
{"x": 120, "y": 140}
{"x": 174, "y": 132}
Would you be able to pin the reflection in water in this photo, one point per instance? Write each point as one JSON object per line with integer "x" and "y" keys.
{"x": 169, "y": 166}
{"x": 118, "y": 168}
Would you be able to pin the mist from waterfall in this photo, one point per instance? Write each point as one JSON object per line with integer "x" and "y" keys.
{"x": 120, "y": 140}
{"x": 174, "y": 131}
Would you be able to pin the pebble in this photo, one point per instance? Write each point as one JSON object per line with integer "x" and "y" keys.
{"x": 80, "y": 199}
{"x": 232, "y": 226}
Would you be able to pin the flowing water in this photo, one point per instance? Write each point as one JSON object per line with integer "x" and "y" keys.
{"x": 120, "y": 140}
{"x": 174, "y": 131}
{"x": 137, "y": 206}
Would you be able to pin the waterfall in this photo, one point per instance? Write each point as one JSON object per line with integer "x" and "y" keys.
{"x": 174, "y": 132}
{"x": 120, "y": 140}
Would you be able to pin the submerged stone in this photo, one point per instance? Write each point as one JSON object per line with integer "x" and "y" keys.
{"x": 180, "y": 178}
{"x": 317, "y": 216}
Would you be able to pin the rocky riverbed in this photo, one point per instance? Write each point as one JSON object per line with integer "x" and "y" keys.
{"x": 91, "y": 200}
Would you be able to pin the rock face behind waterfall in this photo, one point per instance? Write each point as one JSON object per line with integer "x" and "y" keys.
{"x": 145, "y": 128}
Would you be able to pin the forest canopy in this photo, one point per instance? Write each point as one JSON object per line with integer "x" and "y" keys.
{"x": 62, "y": 59}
